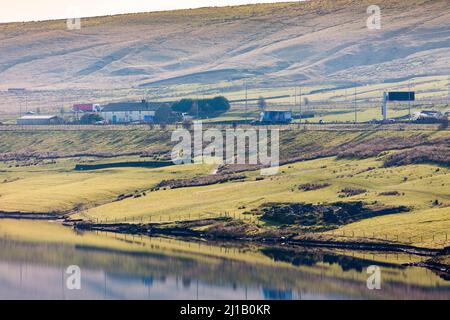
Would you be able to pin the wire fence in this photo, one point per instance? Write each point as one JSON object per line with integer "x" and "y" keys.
{"x": 441, "y": 237}
{"x": 170, "y": 127}
{"x": 170, "y": 218}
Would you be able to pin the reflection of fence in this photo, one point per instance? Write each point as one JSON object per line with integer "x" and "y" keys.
{"x": 441, "y": 237}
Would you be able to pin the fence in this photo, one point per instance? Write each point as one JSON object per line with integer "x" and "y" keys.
{"x": 281, "y": 127}
{"x": 440, "y": 238}
{"x": 168, "y": 218}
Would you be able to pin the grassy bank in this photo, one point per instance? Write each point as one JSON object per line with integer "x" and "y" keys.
{"x": 338, "y": 161}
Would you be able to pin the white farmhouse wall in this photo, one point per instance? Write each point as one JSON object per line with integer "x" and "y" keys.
{"x": 126, "y": 116}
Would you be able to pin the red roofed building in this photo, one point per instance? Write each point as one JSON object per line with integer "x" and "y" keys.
{"x": 86, "y": 107}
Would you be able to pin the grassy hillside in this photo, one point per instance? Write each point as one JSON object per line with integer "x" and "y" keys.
{"x": 32, "y": 184}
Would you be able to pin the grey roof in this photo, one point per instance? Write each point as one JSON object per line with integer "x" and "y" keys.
{"x": 133, "y": 106}
{"x": 38, "y": 117}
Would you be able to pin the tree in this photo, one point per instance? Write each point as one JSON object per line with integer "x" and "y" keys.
{"x": 165, "y": 115}
{"x": 90, "y": 118}
{"x": 183, "y": 106}
{"x": 204, "y": 108}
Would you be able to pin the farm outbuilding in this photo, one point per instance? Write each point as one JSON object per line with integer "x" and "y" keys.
{"x": 429, "y": 115}
{"x": 39, "y": 120}
{"x": 86, "y": 107}
{"x": 276, "y": 117}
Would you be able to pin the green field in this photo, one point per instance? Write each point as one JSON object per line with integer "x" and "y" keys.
{"x": 52, "y": 185}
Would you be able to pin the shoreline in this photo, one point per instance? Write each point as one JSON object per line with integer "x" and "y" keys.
{"x": 17, "y": 215}
{"x": 157, "y": 230}
{"x": 187, "y": 233}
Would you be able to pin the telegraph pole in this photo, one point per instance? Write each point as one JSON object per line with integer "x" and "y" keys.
{"x": 295, "y": 98}
{"x": 20, "y": 106}
{"x": 409, "y": 100}
{"x": 246, "y": 102}
{"x": 448, "y": 90}
{"x": 300, "y": 106}
{"x": 356, "y": 110}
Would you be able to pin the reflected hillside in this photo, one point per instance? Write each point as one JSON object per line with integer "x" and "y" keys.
{"x": 116, "y": 266}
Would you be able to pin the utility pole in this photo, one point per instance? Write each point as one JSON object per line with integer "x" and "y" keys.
{"x": 197, "y": 105}
{"x": 356, "y": 110}
{"x": 300, "y": 106}
{"x": 295, "y": 98}
{"x": 448, "y": 83}
{"x": 409, "y": 100}
{"x": 20, "y": 106}
{"x": 246, "y": 98}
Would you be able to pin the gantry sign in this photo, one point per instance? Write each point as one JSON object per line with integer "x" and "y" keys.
{"x": 396, "y": 96}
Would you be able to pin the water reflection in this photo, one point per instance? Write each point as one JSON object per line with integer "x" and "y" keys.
{"x": 124, "y": 267}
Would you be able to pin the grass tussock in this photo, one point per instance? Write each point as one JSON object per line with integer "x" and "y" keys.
{"x": 350, "y": 192}
{"x": 313, "y": 186}
{"x": 199, "y": 181}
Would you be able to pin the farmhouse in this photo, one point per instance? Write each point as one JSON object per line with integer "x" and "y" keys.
{"x": 129, "y": 112}
{"x": 39, "y": 120}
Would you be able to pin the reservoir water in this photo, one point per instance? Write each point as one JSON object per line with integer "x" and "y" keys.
{"x": 35, "y": 257}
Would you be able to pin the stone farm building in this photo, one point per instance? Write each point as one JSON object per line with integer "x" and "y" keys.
{"x": 129, "y": 112}
{"x": 39, "y": 120}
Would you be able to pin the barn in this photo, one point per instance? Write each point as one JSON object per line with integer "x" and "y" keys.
{"x": 39, "y": 120}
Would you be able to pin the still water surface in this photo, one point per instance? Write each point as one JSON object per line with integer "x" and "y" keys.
{"x": 34, "y": 257}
